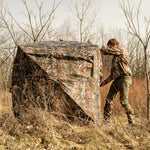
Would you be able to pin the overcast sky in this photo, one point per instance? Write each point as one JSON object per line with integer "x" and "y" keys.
{"x": 110, "y": 15}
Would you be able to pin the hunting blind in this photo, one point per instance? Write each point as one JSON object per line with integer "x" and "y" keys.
{"x": 61, "y": 76}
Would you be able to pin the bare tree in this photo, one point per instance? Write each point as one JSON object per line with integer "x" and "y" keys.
{"x": 36, "y": 24}
{"x": 133, "y": 22}
{"x": 85, "y": 14}
{"x": 65, "y": 31}
{"x": 136, "y": 56}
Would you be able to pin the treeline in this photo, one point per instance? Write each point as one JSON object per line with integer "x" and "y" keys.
{"x": 84, "y": 26}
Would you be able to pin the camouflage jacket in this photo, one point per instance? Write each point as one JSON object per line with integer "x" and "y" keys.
{"x": 120, "y": 62}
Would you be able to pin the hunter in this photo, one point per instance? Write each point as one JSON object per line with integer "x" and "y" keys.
{"x": 122, "y": 79}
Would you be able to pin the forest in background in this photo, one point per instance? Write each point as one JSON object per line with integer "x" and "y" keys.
{"x": 83, "y": 27}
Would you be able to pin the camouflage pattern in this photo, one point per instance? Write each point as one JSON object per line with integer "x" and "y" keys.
{"x": 58, "y": 72}
{"x": 121, "y": 74}
{"x": 120, "y": 62}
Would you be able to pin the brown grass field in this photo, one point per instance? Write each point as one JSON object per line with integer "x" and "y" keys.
{"x": 47, "y": 132}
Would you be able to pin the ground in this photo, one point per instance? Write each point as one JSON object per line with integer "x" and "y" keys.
{"x": 46, "y": 131}
{"x": 58, "y": 134}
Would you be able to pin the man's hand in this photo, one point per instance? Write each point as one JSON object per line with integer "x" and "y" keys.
{"x": 102, "y": 83}
{"x": 102, "y": 52}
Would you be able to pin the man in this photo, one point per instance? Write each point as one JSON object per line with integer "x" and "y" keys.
{"x": 122, "y": 79}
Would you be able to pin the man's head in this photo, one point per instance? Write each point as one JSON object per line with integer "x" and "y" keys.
{"x": 112, "y": 43}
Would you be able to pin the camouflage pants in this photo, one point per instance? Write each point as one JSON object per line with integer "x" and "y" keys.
{"x": 121, "y": 85}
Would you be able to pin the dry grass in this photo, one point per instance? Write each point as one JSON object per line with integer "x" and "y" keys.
{"x": 46, "y": 131}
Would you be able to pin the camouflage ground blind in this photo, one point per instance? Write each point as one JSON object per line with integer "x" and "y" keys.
{"x": 57, "y": 75}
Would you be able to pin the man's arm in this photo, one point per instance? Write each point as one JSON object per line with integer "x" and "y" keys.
{"x": 111, "y": 51}
{"x": 106, "y": 81}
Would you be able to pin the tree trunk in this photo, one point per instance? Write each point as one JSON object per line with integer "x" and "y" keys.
{"x": 147, "y": 83}
{"x": 148, "y": 107}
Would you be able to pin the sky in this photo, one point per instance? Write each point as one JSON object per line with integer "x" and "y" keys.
{"x": 110, "y": 14}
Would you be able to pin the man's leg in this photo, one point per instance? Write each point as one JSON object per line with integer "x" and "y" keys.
{"x": 125, "y": 83}
{"x": 109, "y": 101}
